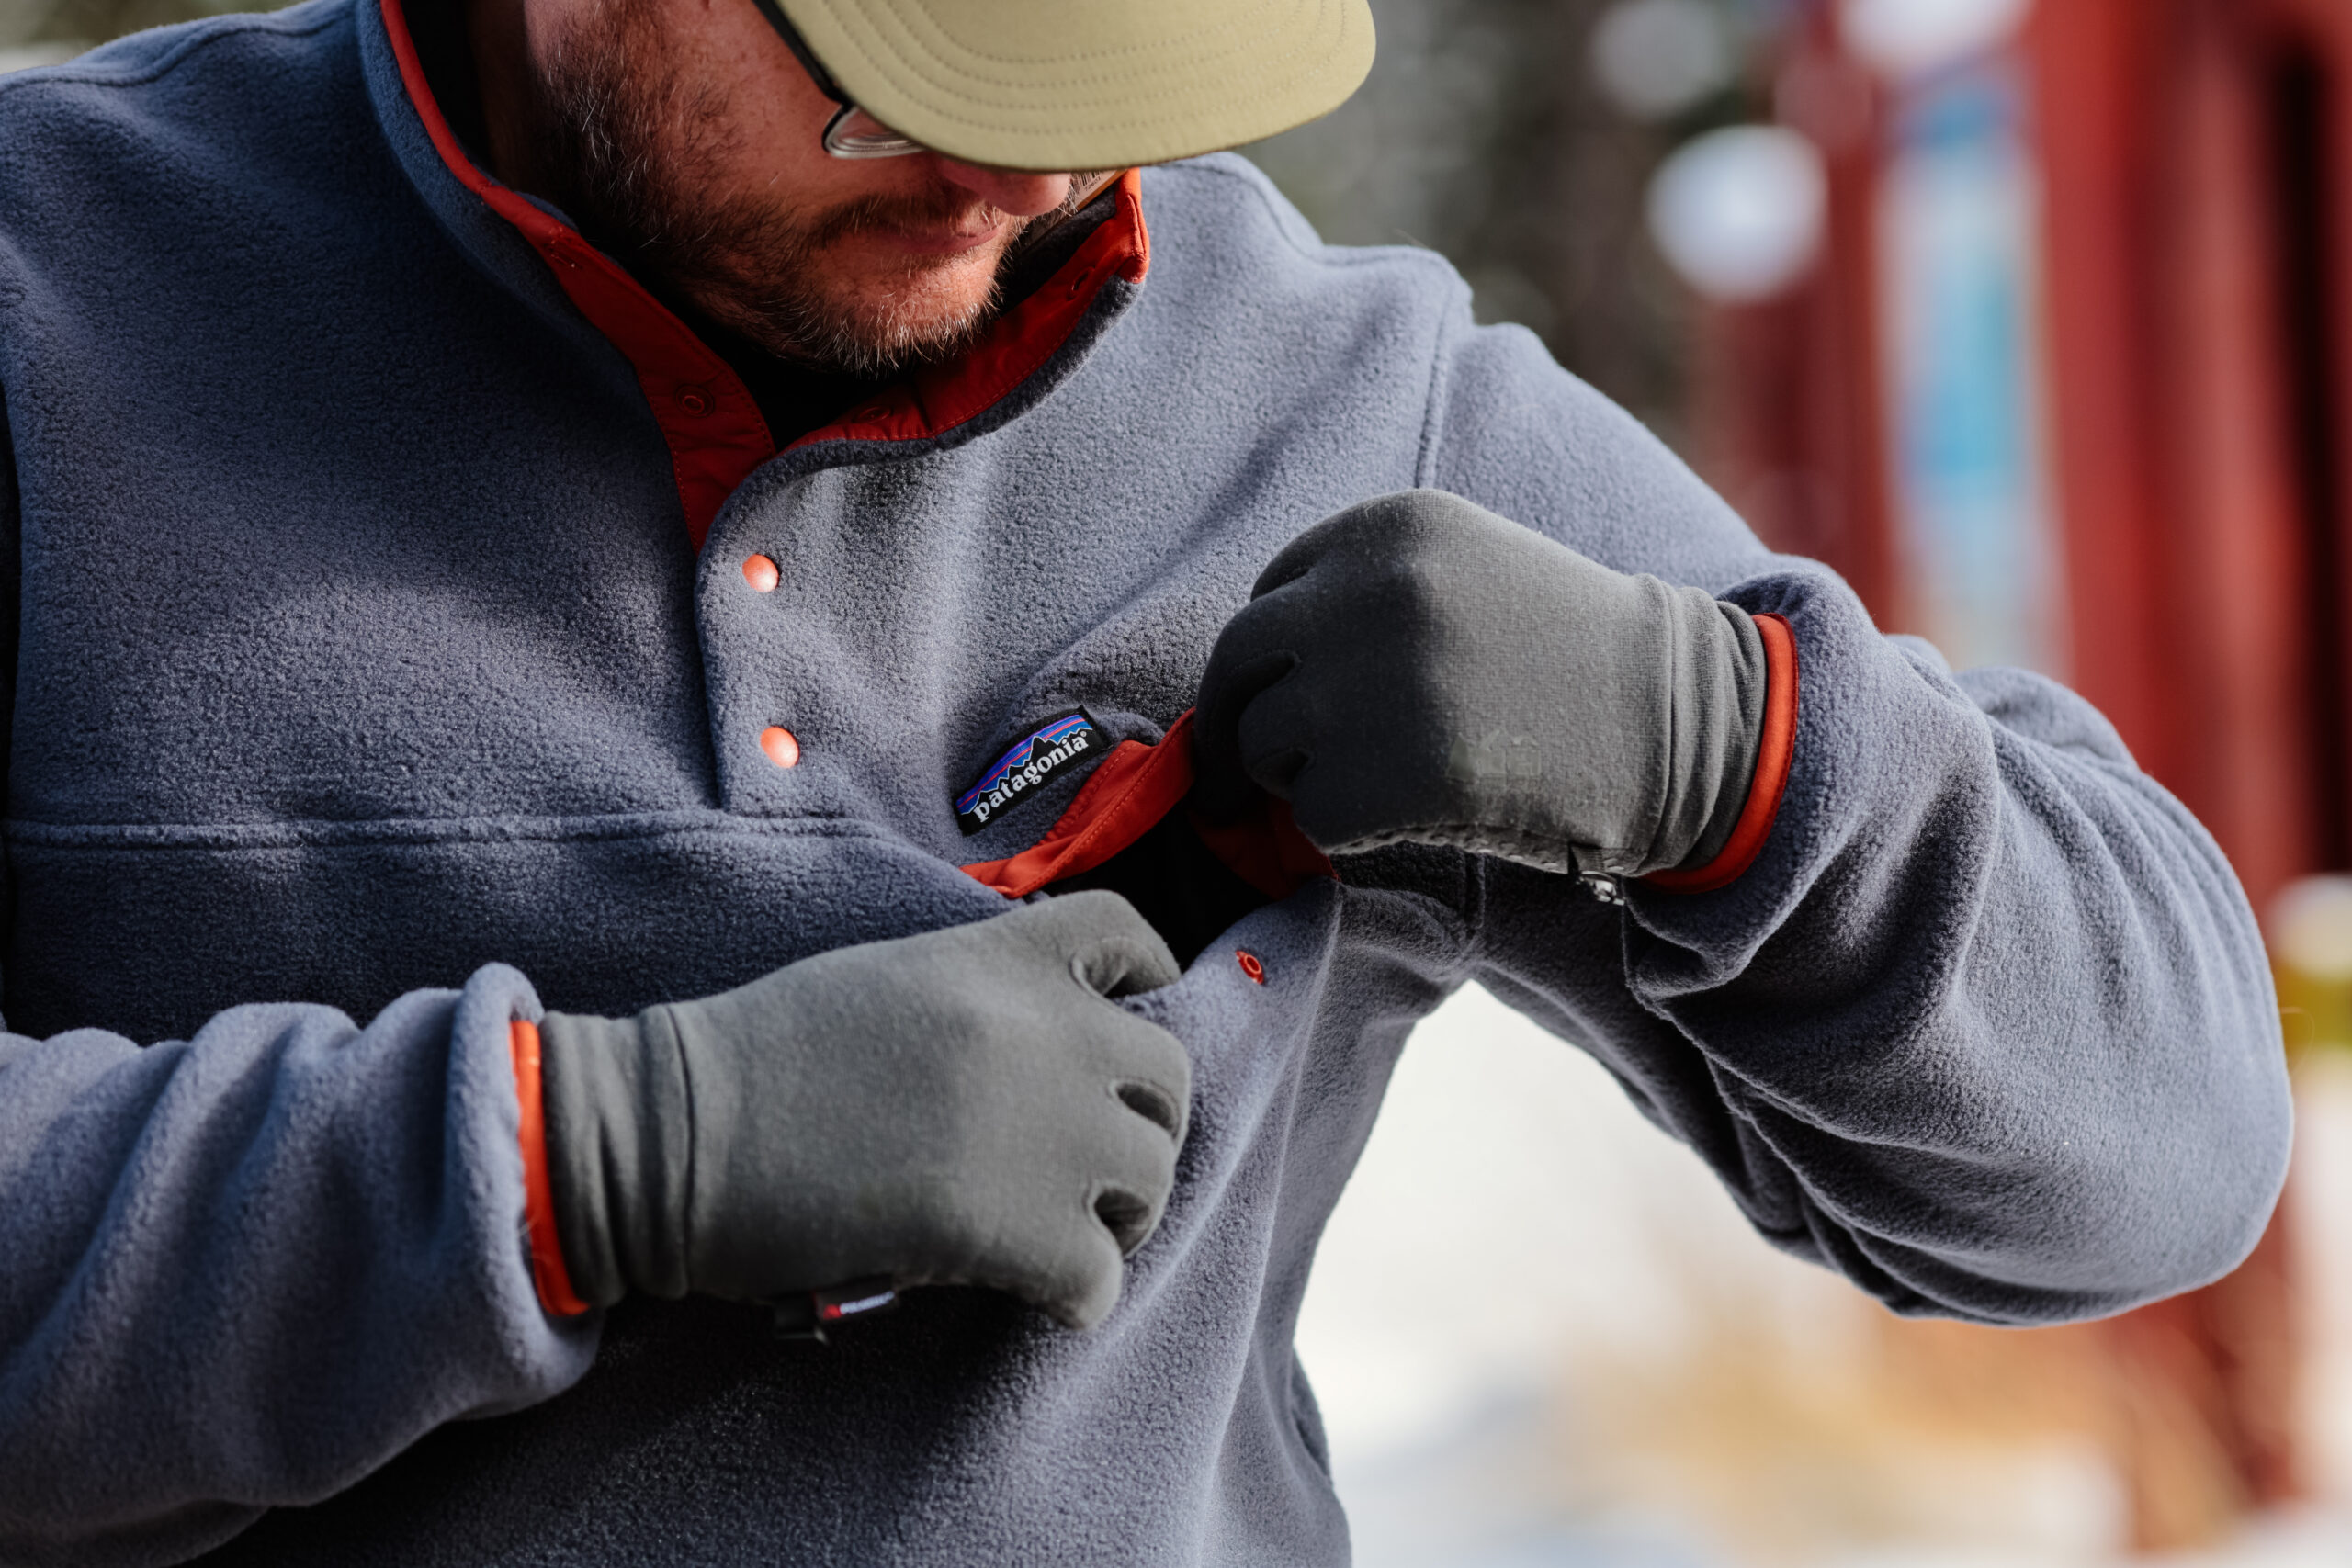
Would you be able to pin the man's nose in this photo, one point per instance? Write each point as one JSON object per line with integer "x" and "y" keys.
{"x": 1007, "y": 190}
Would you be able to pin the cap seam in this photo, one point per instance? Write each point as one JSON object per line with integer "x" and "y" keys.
{"x": 959, "y": 88}
{"x": 1013, "y": 63}
{"x": 1062, "y": 122}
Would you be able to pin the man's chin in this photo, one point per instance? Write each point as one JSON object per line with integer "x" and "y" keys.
{"x": 877, "y": 267}
{"x": 870, "y": 316}
{"x": 917, "y": 314}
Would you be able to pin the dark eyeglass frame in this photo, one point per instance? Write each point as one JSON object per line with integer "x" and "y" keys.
{"x": 841, "y": 139}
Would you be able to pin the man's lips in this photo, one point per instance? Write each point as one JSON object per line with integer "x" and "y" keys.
{"x": 940, "y": 239}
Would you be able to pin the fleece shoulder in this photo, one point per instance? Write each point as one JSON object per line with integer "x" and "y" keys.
{"x": 1369, "y": 325}
{"x": 1221, "y": 217}
{"x": 196, "y": 68}
{"x": 126, "y": 156}
{"x": 1493, "y": 416}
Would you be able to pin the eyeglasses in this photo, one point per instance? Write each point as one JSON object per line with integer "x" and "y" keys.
{"x": 852, "y": 132}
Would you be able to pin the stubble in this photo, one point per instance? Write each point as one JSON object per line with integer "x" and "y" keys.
{"x": 635, "y": 154}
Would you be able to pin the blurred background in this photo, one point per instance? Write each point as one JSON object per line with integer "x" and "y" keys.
{"x": 2030, "y": 317}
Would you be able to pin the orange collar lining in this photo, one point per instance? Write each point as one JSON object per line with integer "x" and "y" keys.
{"x": 708, "y": 417}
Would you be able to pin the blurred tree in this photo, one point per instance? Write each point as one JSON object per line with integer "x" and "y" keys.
{"x": 26, "y": 22}
{"x": 1484, "y": 134}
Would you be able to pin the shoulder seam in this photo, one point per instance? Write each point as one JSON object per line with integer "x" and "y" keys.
{"x": 1425, "y": 461}
{"x": 199, "y": 35}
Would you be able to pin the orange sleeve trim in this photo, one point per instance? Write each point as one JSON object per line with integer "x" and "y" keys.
{"x": 548, "y": 1273}
{"x": 1774, "y": 753}
{"x": 1131, "y": 791}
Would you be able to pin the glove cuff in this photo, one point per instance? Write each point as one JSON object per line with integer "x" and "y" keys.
{"x": 1715, "y": 686}
{"x": 1774, "y": 752}
{"x": 619, "y": 1141}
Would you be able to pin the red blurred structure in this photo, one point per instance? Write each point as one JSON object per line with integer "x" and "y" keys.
{"x": 2192, "y": 162}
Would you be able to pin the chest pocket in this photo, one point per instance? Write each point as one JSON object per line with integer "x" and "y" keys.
{"x": 1129, "y": 830}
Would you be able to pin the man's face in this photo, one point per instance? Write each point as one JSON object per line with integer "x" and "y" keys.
{"x": 685, "y": 136}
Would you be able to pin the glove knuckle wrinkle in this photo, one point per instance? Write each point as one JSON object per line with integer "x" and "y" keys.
{"x": 1153, "y": 1103}
{"x": 1129, "y": 1217}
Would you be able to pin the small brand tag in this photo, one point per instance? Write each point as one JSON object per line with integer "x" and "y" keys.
{"x": 1019, "y": 773}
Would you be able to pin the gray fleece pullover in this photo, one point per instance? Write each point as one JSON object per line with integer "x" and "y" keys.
{"x": 365, "y": 668}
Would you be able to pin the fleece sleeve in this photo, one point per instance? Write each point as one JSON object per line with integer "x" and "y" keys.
{"x": 1989, "y": 1024}
{"x": 246, "y": 1268}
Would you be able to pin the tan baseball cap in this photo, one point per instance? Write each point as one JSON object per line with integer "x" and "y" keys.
{"x": 1057, "y": 85}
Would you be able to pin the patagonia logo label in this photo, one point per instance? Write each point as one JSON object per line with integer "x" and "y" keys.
{"x": 1021, "y": 771}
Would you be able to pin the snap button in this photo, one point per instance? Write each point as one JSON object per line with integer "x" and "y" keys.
{"x": 761, "y": 573}
{"x": 781, "y": 746}
{"x": 1250, "y": 966}
{"x": 694, "y": 401}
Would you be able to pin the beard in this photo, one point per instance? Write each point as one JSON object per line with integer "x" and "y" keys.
{"x": 634, "y": 154}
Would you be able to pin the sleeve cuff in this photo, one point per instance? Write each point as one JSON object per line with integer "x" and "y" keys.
{"x": 548, "y": 1273}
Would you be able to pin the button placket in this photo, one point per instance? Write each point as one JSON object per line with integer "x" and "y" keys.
{"x": 780, "y": 746}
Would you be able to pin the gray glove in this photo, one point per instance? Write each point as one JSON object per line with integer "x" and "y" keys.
{"x": 963, "y": 1107}
{"x": 1418, "y": 669}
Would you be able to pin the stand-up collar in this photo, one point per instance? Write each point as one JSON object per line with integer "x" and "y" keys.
{"x": 712, "y": 427}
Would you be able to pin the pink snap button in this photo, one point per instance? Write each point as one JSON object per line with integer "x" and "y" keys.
{"x": 781, "y": 747}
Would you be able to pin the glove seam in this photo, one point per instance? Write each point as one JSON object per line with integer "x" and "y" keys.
{"x": 659, "y": 1025}
{"x": 1673, "y": 764}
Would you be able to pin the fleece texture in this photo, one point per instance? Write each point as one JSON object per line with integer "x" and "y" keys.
{"x": 361, "y": 650}
{"x": 1419, "y": 670}
{"x": 965, "y": 1106}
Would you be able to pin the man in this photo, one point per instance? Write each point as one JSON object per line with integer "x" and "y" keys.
{"x": 946, "y": 720}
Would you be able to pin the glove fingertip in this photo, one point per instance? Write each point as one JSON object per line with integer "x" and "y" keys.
{"x": 1299, "y": 557}
{"x": 1124, "y": 966}
{"x": 1155, "y": 964}
{"x": 1113, "y": 951}
{"x": 1088, "y": 1307}
{"x": 1277, "y": 772}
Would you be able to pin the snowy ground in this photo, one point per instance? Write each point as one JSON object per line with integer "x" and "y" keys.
{"x": 1518, "y": 1311}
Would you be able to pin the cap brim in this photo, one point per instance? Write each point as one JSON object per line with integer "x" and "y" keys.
{"x": 1058, "y": 84}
